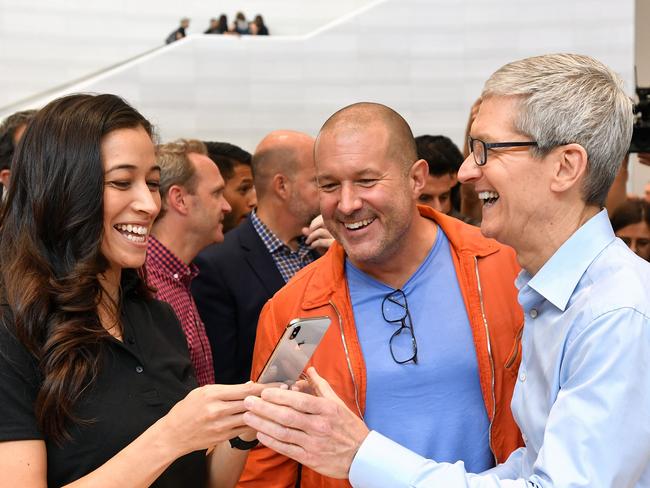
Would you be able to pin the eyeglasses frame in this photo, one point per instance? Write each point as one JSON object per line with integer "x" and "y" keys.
{"x": 492, "y": 145}
{"x": 404, "y": 325}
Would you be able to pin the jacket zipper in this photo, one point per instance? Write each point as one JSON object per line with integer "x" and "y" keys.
{"x": 515, "y": 354}
{"x": 347, "y": 357}
{"x": 489, "y": 350}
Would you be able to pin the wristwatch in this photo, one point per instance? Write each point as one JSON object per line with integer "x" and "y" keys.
{"x": 239, "y": 443}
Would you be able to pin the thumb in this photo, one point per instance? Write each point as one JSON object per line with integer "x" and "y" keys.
{"x": 320, "y": 386}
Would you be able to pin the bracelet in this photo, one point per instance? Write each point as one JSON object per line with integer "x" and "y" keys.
{"x": 241, "y": 444}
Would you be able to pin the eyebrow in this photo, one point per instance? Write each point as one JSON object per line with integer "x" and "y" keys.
{"x": 131, "y": 167}
{"x": 358, "y": 174}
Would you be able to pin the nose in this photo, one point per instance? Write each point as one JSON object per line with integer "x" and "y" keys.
{"x": 252, "y": 199}
{"x": 436, "y": 204}
{"x": 469, "y": 171}
{"x": 349, "y": 201}
{"x": 225, "y": 206}
{"x": 146, "y": 201}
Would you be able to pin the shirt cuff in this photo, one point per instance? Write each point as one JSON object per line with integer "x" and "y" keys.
{"x": 382, "y": 462}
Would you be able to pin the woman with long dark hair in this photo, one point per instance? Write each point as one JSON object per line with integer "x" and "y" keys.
{"x": 96, "y": 385}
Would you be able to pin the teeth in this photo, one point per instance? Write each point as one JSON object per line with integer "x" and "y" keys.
{"x": 133, "y": 238}
{"x": 358, "y": 225}
{"x": 136, "y": 229}
{"x": 487, "y": 195}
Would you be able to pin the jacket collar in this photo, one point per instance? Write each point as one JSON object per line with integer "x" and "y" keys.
{"x": 464, "y": 239}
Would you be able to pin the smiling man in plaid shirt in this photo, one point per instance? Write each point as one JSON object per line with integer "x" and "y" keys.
{"x": 191, "y": 217}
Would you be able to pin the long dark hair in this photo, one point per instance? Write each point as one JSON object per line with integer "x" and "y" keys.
{"x": 51, "y": 229}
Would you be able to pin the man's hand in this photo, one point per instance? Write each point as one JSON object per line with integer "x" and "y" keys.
{"x": 318, "y": 237}
{"x": 320, "y": 432}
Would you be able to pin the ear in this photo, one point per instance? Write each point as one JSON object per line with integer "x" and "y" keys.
{"x": 5, "y": 174}
{"x": 177, "y": 199}
{"x": 418, "y": 176}
{"x": 569, "y": 169}
{"x": 281, "y": 186}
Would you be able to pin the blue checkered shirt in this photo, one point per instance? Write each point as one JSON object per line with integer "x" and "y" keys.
{"x": 287, "y": 261}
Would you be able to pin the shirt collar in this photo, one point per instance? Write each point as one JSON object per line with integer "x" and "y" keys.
{"x": 165, "y": 260}
{"x": 558, "y": 278}
{"x": 272, "y": 242}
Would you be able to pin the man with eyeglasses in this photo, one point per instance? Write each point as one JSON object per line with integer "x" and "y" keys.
{"x": 547, "y": 142}
{"x": 424, "y": 337}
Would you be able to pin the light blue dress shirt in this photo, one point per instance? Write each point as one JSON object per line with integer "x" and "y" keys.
{"x": 582, "y": 399}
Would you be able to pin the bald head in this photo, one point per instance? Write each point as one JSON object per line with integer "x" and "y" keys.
{"x": 360, "y": 117}
{"x": 282, "y": 151}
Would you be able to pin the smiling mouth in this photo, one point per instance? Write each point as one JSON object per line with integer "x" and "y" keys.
{"x": 360, "y": 224}
{"x": 488, "y": 197}
{"x": 135, "y": 233}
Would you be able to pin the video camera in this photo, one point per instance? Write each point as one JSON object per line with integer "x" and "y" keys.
{"x": 641, "y": 132}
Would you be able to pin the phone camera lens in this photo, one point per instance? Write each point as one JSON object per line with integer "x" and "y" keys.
{"x": 294, "y": 333}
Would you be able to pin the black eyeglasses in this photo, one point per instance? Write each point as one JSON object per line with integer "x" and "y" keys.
{"x": 479, "y": 148}
{"x": 395, "y": 309}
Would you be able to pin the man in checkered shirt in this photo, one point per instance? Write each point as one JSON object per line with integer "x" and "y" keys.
{"x": 191, "y": 217}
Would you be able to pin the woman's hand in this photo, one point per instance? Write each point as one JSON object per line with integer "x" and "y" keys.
{"x": 208, "y": 415}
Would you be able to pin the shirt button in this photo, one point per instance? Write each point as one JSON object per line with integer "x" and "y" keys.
{"x": 522, "y": 376}
{"x": 175, "y": 276}
{"x": 533, "y": 313}
{"x": 139, "y": 369}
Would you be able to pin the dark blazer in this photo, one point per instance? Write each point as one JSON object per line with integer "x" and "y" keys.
{"x": 235, "y": 280}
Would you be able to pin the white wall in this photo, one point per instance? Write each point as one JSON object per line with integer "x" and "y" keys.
{"x": 427, "y": 59}
{"x": 45, "y": 43}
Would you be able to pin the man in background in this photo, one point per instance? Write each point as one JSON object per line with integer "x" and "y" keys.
{"x": 11, "y": 130}
{"x": 190, "y": 218}
{"x": 259, "y": 256}
{"x": 235, "y": 167}
{"x": 442, "y": 190}
{"x": 179, "y": 33}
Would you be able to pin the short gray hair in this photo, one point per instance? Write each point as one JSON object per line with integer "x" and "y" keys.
{"x": 570, "y": 98}
{"x": 176, "y": 168}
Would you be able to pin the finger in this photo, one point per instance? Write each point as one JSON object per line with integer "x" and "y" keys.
{"x": 324, "y": 243}
{"x": 276, "y": 430}
{"x": 290, "y": 450}
{"x": 316, "y": 234}
{"x": 221, "y": 409}
{"x": 303, "y": 386}
{"x": 321, "y": 386}
{"x": 235, "y": 392}
{"x": 296, "y": 401}
{"x": 284, "y": 416}
{"x": 228, "y": 427}
{"x": 316, "y": 223}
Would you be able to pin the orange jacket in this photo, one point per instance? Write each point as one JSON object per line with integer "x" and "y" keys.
{"x": 486, "y": 272}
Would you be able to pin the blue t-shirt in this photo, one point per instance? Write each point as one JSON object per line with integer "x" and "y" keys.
{"x": 434, "y": 407}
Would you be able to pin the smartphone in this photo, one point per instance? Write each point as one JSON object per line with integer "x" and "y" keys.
{"x": 294, "y": 350}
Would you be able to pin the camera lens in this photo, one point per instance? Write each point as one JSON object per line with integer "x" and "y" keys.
{"x": 294, "y": 333}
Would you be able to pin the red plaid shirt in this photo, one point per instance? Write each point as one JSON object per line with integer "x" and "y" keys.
{"x": 172, "y": 277}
